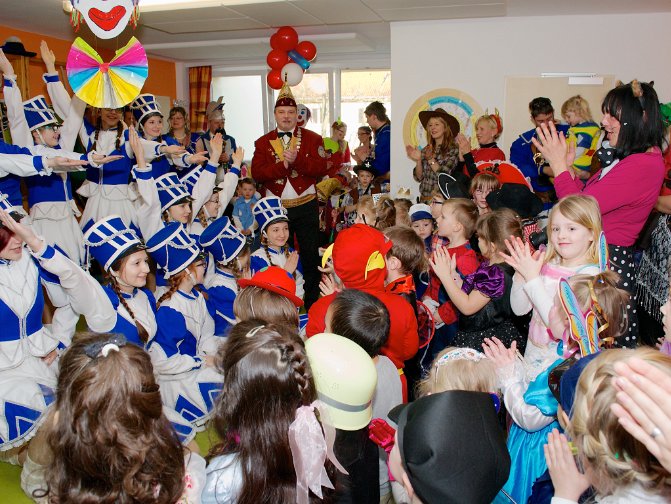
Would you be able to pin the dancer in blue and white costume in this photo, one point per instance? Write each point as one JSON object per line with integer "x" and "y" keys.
{"x": 184, "y": 346}
{"x": 149, "y": 118}
{"x": 123, "y": 256}
{"x": 33, "y": 125}
{"x": 273, "y": 223}
{"x": 228, "y": 247}
{"x": 27, "y": 349}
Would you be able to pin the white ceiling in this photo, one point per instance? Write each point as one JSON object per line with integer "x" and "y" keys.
{"x": 345, "y": 31}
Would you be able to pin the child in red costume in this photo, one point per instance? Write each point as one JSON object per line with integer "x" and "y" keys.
{"x": 359, "y": 261}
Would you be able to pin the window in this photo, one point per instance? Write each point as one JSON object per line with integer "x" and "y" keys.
{"x": 245, "y": 96}
{"x": 357, "y": 90}
{"x": 243, "y": 109}
{"x": 313, "y": 92}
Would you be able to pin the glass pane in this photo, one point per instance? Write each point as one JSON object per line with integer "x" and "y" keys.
{"x": 357, "y": 90}
{"x": 313, "y": 92}
{"x": 243, "y": 110}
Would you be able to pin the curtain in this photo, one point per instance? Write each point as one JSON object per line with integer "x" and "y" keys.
{"x": 200, "y": 81}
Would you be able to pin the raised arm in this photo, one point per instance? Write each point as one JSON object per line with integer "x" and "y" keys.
{"x": 18, "y": 126}
{"x": 85, "y": 294}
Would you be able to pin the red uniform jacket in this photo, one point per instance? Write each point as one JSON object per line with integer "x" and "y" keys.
{"x": 310, "y": 164}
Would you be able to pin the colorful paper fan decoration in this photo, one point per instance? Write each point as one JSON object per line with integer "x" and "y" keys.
{"x": 107, "y": 85}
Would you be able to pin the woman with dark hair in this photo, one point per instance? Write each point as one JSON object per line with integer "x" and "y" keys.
{"x": 109, "y": 438}
{"x": 441, "y": 154}
{"x": 268, "y": 420}
{"x": 365, "y": 136}
{"x": 629, "y": 182}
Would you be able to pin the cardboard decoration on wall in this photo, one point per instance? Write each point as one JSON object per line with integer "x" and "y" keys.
{"x": 106, "y": 19}
{"x": 455, "y": 102}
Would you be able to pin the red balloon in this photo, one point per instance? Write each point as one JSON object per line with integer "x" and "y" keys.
{"x": 276, "y": 59}
{"x": 274, "y": 79}
{"x": 307, "y": 49}
{"x": 274, "y": 39}
{"x": 287, "y": 38}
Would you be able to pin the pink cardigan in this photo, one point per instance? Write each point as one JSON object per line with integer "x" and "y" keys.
{"x": 626, "y": 194}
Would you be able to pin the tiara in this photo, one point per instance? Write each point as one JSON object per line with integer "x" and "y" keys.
{"x": 460, "y": 354}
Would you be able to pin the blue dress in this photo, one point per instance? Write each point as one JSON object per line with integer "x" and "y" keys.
{"x": 526, "y": 447}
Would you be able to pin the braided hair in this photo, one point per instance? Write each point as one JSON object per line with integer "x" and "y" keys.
{"x": 266, "y": 378}
{"x": 119, "y": 134}
{"x": 118, "y": 265}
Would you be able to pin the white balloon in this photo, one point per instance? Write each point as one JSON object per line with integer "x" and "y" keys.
{"x": 292, "y": 73}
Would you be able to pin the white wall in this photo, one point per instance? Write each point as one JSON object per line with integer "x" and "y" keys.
{"x": 477, "y": 55}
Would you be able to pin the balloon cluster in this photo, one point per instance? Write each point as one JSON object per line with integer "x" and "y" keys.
{"x": 288, "y": 58}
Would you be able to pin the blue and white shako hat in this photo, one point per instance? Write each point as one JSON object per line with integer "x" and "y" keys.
{"x": 171, "y": 190}
{"x": 38, "y": 113}
{"x": 108, "y": 239}
{"x": 144, "y": 105}
{"x": 420, "y": 211}
{"x": 268, "y": 211}
{"x": 222, "y": 240}
{"x": 7, "y": 206}
{"x": 173, "y": 249}
{"x": 191, "y": 177}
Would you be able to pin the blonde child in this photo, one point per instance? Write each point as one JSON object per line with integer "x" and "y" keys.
{"x": 488, "y": 129}
{"x": 483, "y": 297}
{"x": 525, "y": 389}
{"x": 275, "y": 251}
{"x": 481, "y": 185}
{"x": 230, "y": 252}
{"x": 379, "y": 214}
{"x": 583, "y": 131}
{"x": 574, "y": 228}
{"x": 459, "y": 369}
{"x": 618, "y": 466}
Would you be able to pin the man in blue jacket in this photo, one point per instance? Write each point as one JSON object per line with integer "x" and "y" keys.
{"x": 524, "y": 155}
{"x": 376, "y": 117}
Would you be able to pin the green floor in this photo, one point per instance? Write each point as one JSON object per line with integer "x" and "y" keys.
{"x": 10, "y": 476}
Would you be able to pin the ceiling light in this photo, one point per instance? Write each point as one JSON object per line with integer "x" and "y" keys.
{"x": 166, "y": 5}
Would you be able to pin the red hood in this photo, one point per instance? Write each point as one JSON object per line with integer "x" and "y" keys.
{"x": 357, "y": 248}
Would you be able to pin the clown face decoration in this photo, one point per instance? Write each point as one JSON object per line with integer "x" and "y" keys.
{"x": 106, "y": 18}
{"x": 303, "y": 115}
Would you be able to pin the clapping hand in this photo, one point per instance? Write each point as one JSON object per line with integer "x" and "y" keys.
{"x": 525, "y": 263}
{"x": 553, "y": 146}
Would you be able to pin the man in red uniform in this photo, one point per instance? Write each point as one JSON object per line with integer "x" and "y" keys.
{"x": 288, "y": 161}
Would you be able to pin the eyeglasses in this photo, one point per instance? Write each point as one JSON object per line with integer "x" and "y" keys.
{"x": 52, "y": 127}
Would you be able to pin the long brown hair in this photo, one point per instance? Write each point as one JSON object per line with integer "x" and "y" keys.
{"x": 119, "y": 134}
{"x": 118, "y": 265}
{"x": 266, "y": 378}
{"x": 110, "y": 440}
{"x": 447, "y": 142}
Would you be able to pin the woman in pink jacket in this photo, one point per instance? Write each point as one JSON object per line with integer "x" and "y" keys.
{"x": 629, "y": 181}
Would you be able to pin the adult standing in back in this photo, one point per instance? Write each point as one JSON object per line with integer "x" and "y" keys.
{"x": 629, "y": 182}
{"x": 289, "y": 160}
